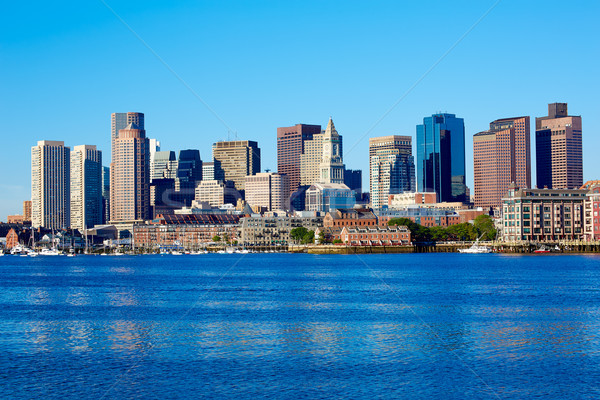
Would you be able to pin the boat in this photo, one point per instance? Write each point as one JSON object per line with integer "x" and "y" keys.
{"x": 176, "y": 253}
{"x": 476, "y": 248}
{"x": 543, "y": 249}
{"x": 49, "y": 252}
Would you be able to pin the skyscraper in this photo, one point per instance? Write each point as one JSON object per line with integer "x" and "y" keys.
{"x": 559, "y": 151}
{"x": 105, "y": 194}
{"x": 312, "y": 157}
{"x": 501, "y": 156}
{"x": 290, "y": 147}
{"x": 86, "y": 187}
{"x": 154, "y": 148}
{"x": 268, "y": 190}
{"x": 164, "y": 165}
{"x": 130, "y": 176}
{"x": 189, "y": 170}
{"x": 332, "y": 165}
{"x": 27, "y": 211}
{"x": 238, "y": 159}
{"x": 119, "y": 121}
{"x": 50, "y": 188}
{"x": 441, "y": 157}
{"x": 391, "y": 168}
{"x": 212, "y": 171}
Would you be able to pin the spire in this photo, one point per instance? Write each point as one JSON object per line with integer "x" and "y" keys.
{"x": 131, "y": 126}
{"x": 330, "y": 127}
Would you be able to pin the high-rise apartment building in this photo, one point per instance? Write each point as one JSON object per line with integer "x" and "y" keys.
{"x": 441, "y": 157}
{"x": 501, "y": 156}
{"x": 238, "y": 159}
{"x": 119, "y": 121}
{"x": 391, "y": 168}
{"x": 290, "y": 147}
{"x": 27, "y": 211}
{"x": 559, "y": 151}
{"x": 332, "y": 165}
{"x": 50, "y": 187}
{"x": 86, "y": 187}
{"x": 268, "y": 190}
{"x": 130, "y": 176}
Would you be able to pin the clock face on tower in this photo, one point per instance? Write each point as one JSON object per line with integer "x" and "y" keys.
{"x": 326, "y": 148}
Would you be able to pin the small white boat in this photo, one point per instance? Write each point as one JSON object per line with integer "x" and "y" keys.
{"x": 49, "y": 252}
{"x": 476, "y": 248}
{"x": 176, "y": 253}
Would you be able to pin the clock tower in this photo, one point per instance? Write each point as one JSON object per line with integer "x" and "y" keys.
{"x": 332, "y": 165}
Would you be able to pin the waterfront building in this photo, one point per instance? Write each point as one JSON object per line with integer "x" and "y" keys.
{"x": 105, "y": 194}
{"x": 268, "y": 190}
{"x": 50, "y": 185}
{"x": 290, "y": 147}
{"x": 592, "y": 210}
{"x": 559, "y": 151}
{"x": 441, "y": 157}
{"x": 27, "y": 211}
{"x": 411, "y": 198}
{"x": 86, "y": 187}
{"x": 267, "y": 231}
{"x": 238, "y": 159}
{"x": 216, "y": 193}
{"x": 391, "y": 167}
{"x": 350, "y": 217}
{"x": 186, "y": 231}
{"x": 543, "y": 214}
{"x": 501, "y": 156}
{"x": 163, "y": 165}
{"x": 332, "y": 165}
{"x": 212, "y": 171}
{"x": 119, "y": 121}
{"x": 427, "y": 217}
{"x": 130, "y": 176}
{"x": 375, "y": 235}
{"x": 324, "y": 197}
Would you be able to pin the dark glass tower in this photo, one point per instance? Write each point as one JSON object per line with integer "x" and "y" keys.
{"x": 441, "y": 157}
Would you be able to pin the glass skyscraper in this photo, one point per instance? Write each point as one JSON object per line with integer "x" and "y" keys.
{"x": 441, "y": 157}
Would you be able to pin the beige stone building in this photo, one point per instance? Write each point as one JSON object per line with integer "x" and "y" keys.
{"x": 268, "y": 190}
{"x": 86, "y": 187}
{"x": 238, "y": 159}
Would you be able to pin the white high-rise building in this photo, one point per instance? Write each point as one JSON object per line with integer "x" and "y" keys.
{"x": 50, "y": 189}
{"x": 86, "y": 187}
{"x": 268, "y": 190}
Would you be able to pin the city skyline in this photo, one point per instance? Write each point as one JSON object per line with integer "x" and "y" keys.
{"x": 356, "y": 96}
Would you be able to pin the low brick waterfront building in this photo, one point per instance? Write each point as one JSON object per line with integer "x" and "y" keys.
{"x": 267, "y": 231}
{"x": 189, "y": 231}
{"x": 350, "y": 217}
{"x": 376, "y": 236}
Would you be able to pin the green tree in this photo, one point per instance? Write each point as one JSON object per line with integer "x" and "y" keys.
{"x": 418, "y": 232}
{"x": 484, "y": 227}
{"x": 216, "y": 238}
{"x": 309, "y": 237}
{"x": 297, "y": 234}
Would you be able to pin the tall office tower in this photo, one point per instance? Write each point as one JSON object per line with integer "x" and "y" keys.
{"x": 154, "y": 148}
{"x": 212, "y": 171}
{"x": 130, "y": 176}
{"x": 119, "y": 121}
{"x": 86, "y": 187}
{"x": 105, "y": 195}
{"x": 27, "y": 211}
{"x": 559, "y": 152}
{"x": 164, "y": 165}
{"x": 290, "y": 147}
{"x": 332, "y": 165}
{"x": 353, "y": 179}
{"x": 441, "y": 157}
{"x": 189, "y": 170}
{"x": 501, "y": 156}
{"x": 391, "y": 168}
{"x": 311, "y": 159}
{"x": 268, "y": 190}
{"x": 50, "y": 188}
{"x": 238, "y": 159}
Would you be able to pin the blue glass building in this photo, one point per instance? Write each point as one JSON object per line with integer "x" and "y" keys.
{"x": 441, "y": 157}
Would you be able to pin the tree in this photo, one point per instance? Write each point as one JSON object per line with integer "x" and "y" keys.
{"x": 418, "y": 232}
{"x": 484, "y": 227}
{"x": 297, "y": 234}
{"x": 309, "y": 237}
{"x": 216, "y": 238}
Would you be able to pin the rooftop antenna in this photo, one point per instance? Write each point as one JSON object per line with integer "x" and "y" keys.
{"x": 267, "y": 170}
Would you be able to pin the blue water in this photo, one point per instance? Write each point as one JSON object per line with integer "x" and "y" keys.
{"x": 415, "y": 326}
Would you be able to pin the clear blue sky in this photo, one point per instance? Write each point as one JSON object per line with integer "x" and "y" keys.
{"x": 65, "y": 66}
